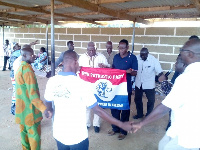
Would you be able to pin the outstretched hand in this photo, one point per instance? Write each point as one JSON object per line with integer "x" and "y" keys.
{"x": 33, "y": 43}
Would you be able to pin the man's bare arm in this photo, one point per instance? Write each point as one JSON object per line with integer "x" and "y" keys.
{"x": 156, "y": 114}
{"x": 103, "y": 114}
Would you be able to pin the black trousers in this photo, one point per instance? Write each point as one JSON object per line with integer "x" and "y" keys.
{"x": 150, "y": 94}
{"x": 122, "y": 115}
{"x": 5, "y": 62}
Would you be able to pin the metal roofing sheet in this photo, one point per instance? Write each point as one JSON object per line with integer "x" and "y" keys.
{"x": 71, "y": 10}
{"x": 30, "y": 3}
{"x": 146, "y": 3}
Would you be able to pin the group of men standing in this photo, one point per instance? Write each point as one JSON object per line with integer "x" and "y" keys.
{"x": 144, "y": 67}
{"x": 71, "y": 97}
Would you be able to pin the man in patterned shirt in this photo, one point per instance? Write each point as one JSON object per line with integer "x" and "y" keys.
{"x": 29, "y": 107}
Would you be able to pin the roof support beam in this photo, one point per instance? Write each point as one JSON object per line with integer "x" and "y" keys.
{"x": 96, "y": 8}
{"x": 58, "y": 6}
{"x": 196, "y": 4}
{"x": 110, "y": 1}
{"x": 150, "y": 9}
{"x": 12, "y": 16}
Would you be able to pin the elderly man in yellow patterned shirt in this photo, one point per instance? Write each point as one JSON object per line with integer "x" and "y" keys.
{"x": 29, "y": 107}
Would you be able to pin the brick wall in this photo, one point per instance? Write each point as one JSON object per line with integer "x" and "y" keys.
{"x": 163, "y": 43}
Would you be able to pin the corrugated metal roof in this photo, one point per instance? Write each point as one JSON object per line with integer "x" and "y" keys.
{"x": 30, "y": 3}
{"x": 146, "y": 4}
{"x": 71, "y": 10}
{"x": 89, "y": 12}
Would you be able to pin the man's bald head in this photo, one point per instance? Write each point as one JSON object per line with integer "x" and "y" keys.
{"x": 26, "y": 46}
{"x": 70, "y": 61}
{"x": 91, "y": 51}
{"x": 190, "y": 52}
{"x": 27, "y": 54}
{"x": 70, "y": 55}
{"x": 193, "y": 45}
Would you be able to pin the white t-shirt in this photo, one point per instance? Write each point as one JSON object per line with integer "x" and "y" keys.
{"x": 86, "y": 61}
{"x": 147, "y": 70}
{"x": 71, "y": 97}
{"x": 184, "y": 100}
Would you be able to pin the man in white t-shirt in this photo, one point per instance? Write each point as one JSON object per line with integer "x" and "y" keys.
{"x": 93, "y": 59}
{"x": 70, "y": 100}
{"x": 148, "y": 68}
{"x": 184, "y": 100}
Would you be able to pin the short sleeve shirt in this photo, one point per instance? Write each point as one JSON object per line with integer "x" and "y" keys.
{"x": 147, "y": 70}
{"x": 71, "y": 97}
{"x": 125, "y": 63}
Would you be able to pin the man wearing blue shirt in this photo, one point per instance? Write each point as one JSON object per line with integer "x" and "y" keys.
{"x": 124, "y": 60}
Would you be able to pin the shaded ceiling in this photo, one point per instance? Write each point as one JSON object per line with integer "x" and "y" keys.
{"x": 22, "y": 12}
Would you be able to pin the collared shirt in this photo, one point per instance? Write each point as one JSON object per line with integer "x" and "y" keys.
{"x": 28, "y": 103}
{"x": 130, "y": 61}
{"x": 184, "y": 100}
{"x": 109, "y": 57}
{"x": 86, "y": 61}
{"x": 147, "y": 70}
{"x": 71, "y": 101}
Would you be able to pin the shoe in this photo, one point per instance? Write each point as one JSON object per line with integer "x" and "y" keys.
{"x": 137, "y": 117}
{"x": 96, "y": 129}
{"x": 88, "y": 127}
{"x": 9, "y": 68}
{"x": 4, "y": 70}
{"x": 111, "y": 133}
{"x": 121, "y": 136}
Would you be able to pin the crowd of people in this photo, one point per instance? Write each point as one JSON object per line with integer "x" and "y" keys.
{"x": 65, "y": 92}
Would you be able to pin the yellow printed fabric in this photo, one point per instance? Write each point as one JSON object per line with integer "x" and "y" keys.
{"x": 29, "y": 107}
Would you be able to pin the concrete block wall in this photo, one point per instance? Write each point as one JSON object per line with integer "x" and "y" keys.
{"x": 162, "y": 42}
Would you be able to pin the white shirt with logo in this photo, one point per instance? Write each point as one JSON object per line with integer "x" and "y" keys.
{"x": 71, "y": 97}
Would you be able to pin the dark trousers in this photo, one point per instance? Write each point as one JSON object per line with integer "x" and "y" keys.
{"x": 125, "y": 114}
{"x": 150, "y": 94}
{"x": 5, "y": 62}
{"x": 84, "y": 145}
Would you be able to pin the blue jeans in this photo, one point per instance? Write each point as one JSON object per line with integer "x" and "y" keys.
{"x": 84, "y": 145}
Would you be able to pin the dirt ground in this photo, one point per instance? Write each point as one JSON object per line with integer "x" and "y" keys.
{"x": 145, "y": 139}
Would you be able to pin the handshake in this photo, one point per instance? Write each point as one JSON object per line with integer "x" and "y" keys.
{"x": 131, "y": 126}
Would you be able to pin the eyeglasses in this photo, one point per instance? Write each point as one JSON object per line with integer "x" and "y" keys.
{"x": 182, "y": 50}
{"x": 122, "y": 48}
